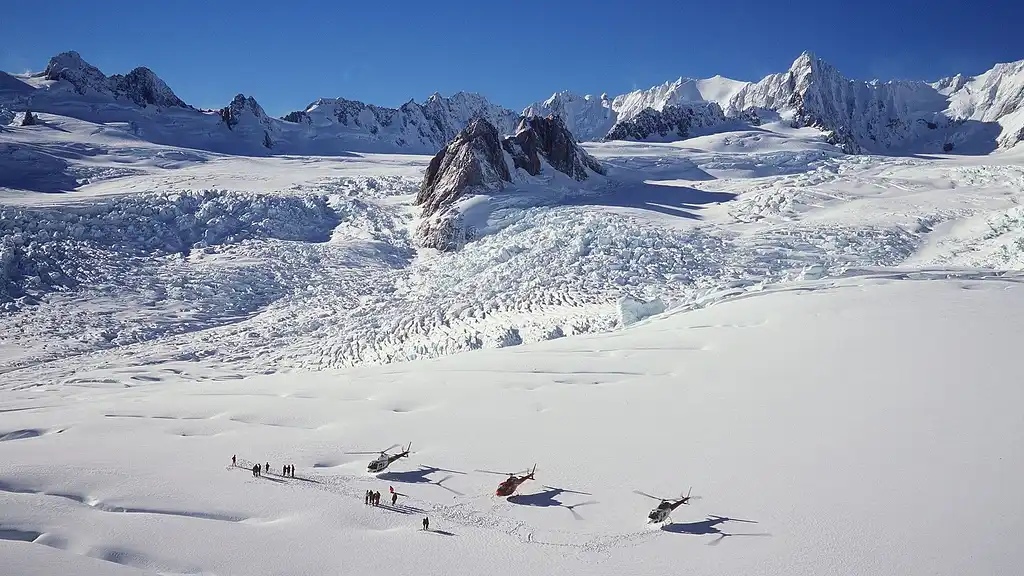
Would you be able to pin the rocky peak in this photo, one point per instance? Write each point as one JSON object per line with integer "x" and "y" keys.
{"x": 70, "y": 67}
{"x": 144, "y": 87}
{"x": 474, "y": 162}
{"x": 140, "y": 86}
{"x": 246, "y": 116}
{"x": 548, "y": 138}
{"x": 471, "y": 163}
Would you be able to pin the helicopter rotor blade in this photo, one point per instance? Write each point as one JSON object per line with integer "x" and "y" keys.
{"x": 500, "y": 473}
{"x": 716, "y": 541}
{"x": 565, "y": 490}
{"x": 727, "y": 519}
{"x": 441, "y": 484}
{"x": 572, "y": 509}
{"x": 435, "y": 469}
{"x": 374, "y": 451}
{"x": 649, "y": 496}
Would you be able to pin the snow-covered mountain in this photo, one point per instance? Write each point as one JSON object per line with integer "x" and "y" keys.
{"x": 70, "y": 86}
{"x": 417, "y": 127}
{"x": 970, "y": 114}
{"x": 959, "y": 114}
{"x": 140, "y": 86}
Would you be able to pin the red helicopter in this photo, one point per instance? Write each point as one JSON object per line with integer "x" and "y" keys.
{"x": 509, "y": 486}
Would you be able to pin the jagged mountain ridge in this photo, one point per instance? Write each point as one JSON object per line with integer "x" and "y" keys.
{"x": 72, "y": 87}
{"x": 957, "y": 113}
{"x": 428, "y": 126}
{"x": 895, "y": 116}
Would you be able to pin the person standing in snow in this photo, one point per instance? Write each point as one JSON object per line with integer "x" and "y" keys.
{"x": 366, "y": 497}
{"x": 233, "y": 460}
{"x": 426, "y": 523}
{"x": 255, "y": 470}
{"x": 394, "y": 498}
{"x": 267, "y": 468}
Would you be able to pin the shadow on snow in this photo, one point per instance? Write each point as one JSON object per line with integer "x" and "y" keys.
{"x": 709, "y": 527}
{"x": 547, "y": 499}
{"x": 679, "y": 201}
{"x": 420, "y": 476}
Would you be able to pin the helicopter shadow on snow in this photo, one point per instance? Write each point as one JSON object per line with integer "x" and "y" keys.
{"x": 709, "y": 527}
{"x": 420, "y": 476}
{"x": 548, "y": 499}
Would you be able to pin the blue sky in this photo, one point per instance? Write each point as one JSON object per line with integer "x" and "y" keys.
{"x": 287, "y": 54}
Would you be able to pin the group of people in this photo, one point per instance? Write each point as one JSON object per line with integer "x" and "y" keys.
{"x": 287, "y": 471}
{"x": 373, "y": 498}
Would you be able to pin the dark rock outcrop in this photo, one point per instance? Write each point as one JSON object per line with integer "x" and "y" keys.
{"x": 670, "y": 122}
{"x": 144, "y": 88}
{"x": 27, "y": 119}
{"x": 297, "y": 117}
{"x": 474, "y": 162}
{"x": 548, "y": 138}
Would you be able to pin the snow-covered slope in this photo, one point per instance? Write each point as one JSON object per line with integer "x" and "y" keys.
{"x": 995, "y": 96}
{"x": 864, "y": 426}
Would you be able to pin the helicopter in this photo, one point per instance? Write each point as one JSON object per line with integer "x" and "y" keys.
{"x": 662, "y": 511}
{"x": 508, "y": 487}
{"x": 385, "y": 459}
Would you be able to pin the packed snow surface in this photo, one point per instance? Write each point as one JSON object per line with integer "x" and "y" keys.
{"x": 820, "y": 344}
{"x": 862, "y": 426}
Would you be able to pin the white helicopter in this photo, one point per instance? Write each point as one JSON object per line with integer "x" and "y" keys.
{"x": 385, "y": 459}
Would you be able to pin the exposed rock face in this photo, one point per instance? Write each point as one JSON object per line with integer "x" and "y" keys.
{"x": 140, "y": 86}
{"x": 144, "y": 88}
{"x": 548, "y": 138}
{"x": 474, "y": 162}
{"x": 672, "y": 122}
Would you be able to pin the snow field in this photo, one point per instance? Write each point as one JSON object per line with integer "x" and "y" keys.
{"x": 129, "y": 464}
